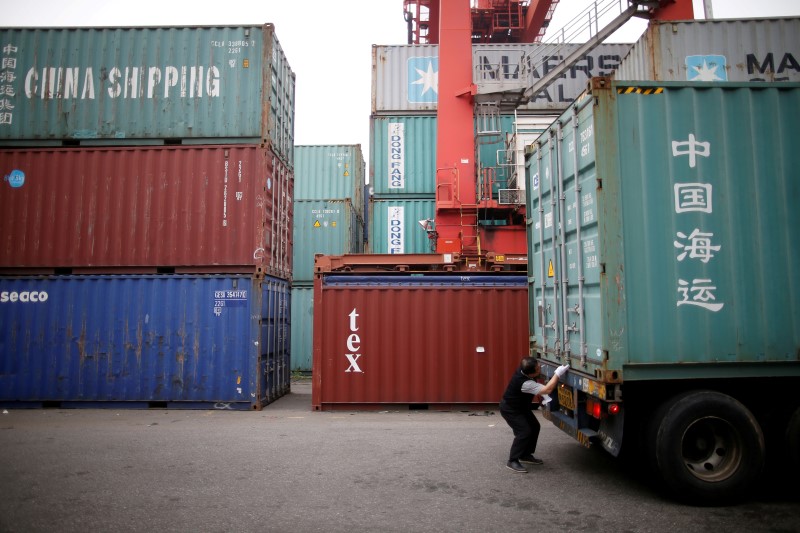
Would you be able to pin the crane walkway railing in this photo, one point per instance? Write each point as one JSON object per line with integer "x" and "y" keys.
{"x": 536, "y": 70}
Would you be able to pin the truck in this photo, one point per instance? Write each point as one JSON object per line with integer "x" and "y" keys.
{"x": 663, "y": 252}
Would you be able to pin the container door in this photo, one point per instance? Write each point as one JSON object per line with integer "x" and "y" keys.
{"x": 563, "y": 250}
{"x": 543, "y": 256}
{"x": 578, "y": 181}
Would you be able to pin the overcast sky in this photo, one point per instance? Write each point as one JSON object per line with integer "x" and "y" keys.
{"x": 328, "y": 43}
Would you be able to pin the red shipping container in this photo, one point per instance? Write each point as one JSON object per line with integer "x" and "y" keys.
{"x": 433, "y": 340}
{"x": 194, "y": 209}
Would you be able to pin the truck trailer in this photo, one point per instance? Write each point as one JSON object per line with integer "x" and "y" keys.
{"x": 663, "y": 254}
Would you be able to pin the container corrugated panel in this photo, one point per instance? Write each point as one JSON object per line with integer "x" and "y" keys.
{"x": 329, "y": 227}
{"x": 716, "y": 50}
{"x": 432, "y": 340}
{"x": 327, "y": 172}
{"x": 222, "y": 208}
{"x": 405, "y": 77}
{"x": 395, "y": 228}
{"x": 367, "y": 199}
{"x": 302, "y": 327}
{"x": 683, "y": 240}
{"x": 184, "y": 341}
{"x": 148, "y": 83}
{"x": 403, "y": 155}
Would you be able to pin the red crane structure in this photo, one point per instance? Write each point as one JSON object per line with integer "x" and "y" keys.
{"x": 469, "y": 221}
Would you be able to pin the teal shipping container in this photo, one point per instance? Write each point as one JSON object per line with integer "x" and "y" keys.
{"x": 679, "y": 240}
{"x": 328, "y": 172}
{"x": 395, "y": 225}
{"x": 148, "y": 85}
{"x": 329, "y": 227}
{"x": 302, "y": 327}
{"x": 663, "y": 252}
{"x": 403, "y": 154}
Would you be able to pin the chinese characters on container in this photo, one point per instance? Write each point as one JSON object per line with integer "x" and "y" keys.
{"x": 7, "y": 77}
{"x": 695, "y": 244}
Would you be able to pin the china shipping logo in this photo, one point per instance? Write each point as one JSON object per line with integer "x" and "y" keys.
{"x": 16, "y": 179}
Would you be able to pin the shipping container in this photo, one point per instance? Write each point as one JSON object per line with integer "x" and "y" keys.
{"x": 367, "y": 200}
{"x": 147, "y": 84}
{"x": 416, "y": 341}
{"x": 402, "y": 156}
{"x": 329, "y": 227}
{"x": 302, "y": 327}
{"x": 177, "y": 341}
{"x": 403, "y": 153}
{"x": 753, "y": 50}
{"x": 405, "y": 77}
{"x": 330, "y": 172}
{"x": 663, "y": 244}
{"x": 221, "y": 208}
{"x": 395, "y": 226}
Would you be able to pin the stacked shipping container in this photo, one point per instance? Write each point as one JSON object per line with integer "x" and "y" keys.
{"x": 747, "y": 50}
{"x": 328, "y": 219}
{"x": 403, "y": 129}
{"x": 146, "y": 216}
{"x": 393, "y": 338}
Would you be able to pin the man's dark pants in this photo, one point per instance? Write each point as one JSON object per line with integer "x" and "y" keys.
{"x": 526, "y": 431}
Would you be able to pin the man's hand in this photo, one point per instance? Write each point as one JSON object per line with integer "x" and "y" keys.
{"x": 560, "y": 371}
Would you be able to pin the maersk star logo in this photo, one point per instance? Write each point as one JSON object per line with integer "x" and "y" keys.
{"x": 423, "y": 80}
{"x": 706, "y": 68}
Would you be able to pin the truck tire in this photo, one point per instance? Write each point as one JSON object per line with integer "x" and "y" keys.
{"x": 709, "y": 448}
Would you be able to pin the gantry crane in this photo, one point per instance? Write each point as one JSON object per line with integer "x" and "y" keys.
{"x": 470, "y": 221}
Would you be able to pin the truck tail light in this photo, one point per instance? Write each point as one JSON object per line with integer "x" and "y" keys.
{"x": 594, "y": 408}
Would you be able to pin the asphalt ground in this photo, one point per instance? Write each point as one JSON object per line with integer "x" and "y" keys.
{"x": 288, "y": 468}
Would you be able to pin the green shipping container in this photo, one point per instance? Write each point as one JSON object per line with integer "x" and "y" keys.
{"x": 329, "y": 227}
{"x": 147, "y": 85}
{"x": 395, "y": 228}
{"x": 324, "y": 172}
{"x": 664, "y": 234}
{"x": 403, "y": 158}
{"x": 403, "y": 155}
{"x": 302, "y": 327}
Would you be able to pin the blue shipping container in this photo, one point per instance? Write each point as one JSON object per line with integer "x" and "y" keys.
{"x": 175, "y": 341}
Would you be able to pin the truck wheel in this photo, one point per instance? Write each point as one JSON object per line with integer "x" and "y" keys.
{"x": 709, "y": 448}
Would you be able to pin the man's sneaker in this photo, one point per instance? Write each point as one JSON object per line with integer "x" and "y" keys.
{"x": 516, "y": 467}
{"x": 532, "y": 460}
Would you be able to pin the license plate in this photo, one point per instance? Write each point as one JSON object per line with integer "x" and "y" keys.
{"x": 565, "y": 398}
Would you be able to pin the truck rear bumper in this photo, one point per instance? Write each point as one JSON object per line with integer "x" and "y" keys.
{"x": 570, "y": 426}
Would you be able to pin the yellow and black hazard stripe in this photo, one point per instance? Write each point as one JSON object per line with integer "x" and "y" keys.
{"x": 640, "y": 90}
